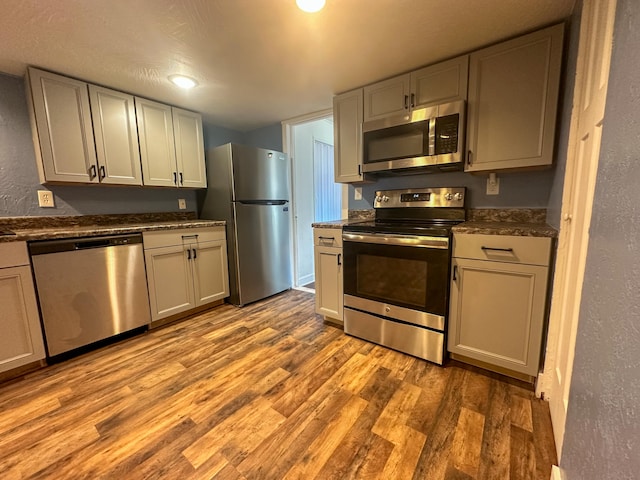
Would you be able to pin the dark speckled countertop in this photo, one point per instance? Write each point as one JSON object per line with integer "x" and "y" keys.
{"x": 523, "y": 222}
{"x": 49, "y": 228}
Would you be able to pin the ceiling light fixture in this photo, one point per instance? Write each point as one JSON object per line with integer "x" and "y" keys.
{"x": 183, "y": 81}
{"x": 310, "y": 6}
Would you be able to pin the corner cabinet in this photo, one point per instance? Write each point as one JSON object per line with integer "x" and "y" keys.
{"x": 186, "y": 269}
{"x": 328, "y": 273}
{"x": 512, "y": 102}
{"x": 21, "y": 341}
{"x": 497, "y": 302}
{"x": 347, "y": 126}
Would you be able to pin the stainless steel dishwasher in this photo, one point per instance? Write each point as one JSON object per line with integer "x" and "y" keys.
{"x": 89, "y": 289}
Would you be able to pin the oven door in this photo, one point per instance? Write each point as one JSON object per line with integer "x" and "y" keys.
{"x": 397, "y": 276}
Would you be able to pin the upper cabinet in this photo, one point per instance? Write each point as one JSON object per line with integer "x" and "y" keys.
{"x": 441, "y": 83}
{"x": 114, "y": 126}
{"x": 347, "y": 126}
{"x": 62, "y": 129}
{"x": 84, "y": 133}
{"x": 187, "y": 129}
{"x": 512, "y": 105}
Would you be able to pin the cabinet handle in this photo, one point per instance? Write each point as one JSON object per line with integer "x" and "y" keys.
{"x": 326, "y": 238}
{"x": 339, "y": 262}
{"x": 188, "y": 254}
{"x": 413, "y": 100}
{"x": 406, "y": 102}
{"x": 103, "y": 172}
{"x": 194, "y": 254}
{"x": 92, "y": 172}
{"x": 359, "y": 170}
{"x": 181, "y": 180}
{"x": 455, "y": 273}
{"x": 498, "y": 249}
{"x": 469, "y": 159}
{"x": 195, "y": 235}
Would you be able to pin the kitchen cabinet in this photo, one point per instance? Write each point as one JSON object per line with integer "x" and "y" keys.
{"x": 171, "y": 145}
{"x": 436, "y": 84}
{"x": 62, "y": 129}
{"x": 328, "y": 273}
{"x": 116, "y": 136}
{"x": 512, "y": 105}
{"x": 185, "y": 269}
{"x": 347, "y": 127}
{"x": 21, "y": 341}
{"x": 497, "y": 302}
{"x": 187, "y": 129}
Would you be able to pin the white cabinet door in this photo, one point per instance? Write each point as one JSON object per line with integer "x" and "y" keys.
{"x": 497, "y": 313}
{"x": 513, "y": 98}
{"x": 347, "y": 127}
{"x": 187, "y": 128}
{"x": 210, "y": 270}
{"x": 386, "y": 98}
{"x": 116, "y": 136}
{"x": 328, "y": 282}
{"x": 21, "y": 340}
{"x": 63, "y": 134}
{"x": 170, "y": 281}
{"x": 157, "y": 146}
{"x": 441, "y": 83}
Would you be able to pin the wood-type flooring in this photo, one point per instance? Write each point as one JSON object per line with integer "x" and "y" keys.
{"x": 272, "y": 392}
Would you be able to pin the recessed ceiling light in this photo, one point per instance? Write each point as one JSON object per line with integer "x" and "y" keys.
{"x": 310, "y": 6}
{"x": 183, "y": 81}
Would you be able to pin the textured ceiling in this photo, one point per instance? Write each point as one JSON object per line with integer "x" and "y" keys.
{"x": 257, "y": 61}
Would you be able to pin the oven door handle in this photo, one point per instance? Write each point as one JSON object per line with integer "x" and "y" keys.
{"x": 398, "y": 240}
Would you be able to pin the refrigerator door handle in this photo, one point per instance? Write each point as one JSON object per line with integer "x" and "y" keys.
{"x": 263, "y": 202}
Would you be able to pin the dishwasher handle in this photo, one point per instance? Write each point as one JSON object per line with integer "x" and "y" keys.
{"x": 82, "y": 243}
{"x": 102, "y": 242}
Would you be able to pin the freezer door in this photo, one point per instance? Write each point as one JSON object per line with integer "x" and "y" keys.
{"x": 259, "y": 174}
{"x": 263, "y": 254}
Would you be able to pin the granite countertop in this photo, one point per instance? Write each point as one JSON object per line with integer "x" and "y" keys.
{"x": 338, "y": 223}
{"x": 49, "y": 228}
{"x": 522, "y": 222}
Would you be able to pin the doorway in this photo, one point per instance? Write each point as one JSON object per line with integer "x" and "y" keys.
{"x": 316, "y": 197}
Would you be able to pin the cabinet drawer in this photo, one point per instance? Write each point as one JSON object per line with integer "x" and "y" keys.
{"x": 327, "y": 237}
{"x": 13, "y": 254}
{"x": 166, "y": 238}
{"x": 503, "y": 248}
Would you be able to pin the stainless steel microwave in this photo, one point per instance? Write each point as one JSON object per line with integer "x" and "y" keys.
{"x": 430, "y": 138}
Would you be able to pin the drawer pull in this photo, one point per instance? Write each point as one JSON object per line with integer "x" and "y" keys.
{"x": 498, "y": 249}
{"x": 327, "y": 238}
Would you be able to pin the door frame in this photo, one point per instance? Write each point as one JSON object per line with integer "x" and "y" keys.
{"x": 577, "y": 202}
{"x": 288, "y": 145}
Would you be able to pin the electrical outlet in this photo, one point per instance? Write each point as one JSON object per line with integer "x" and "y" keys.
{"x": 493, "y": 185}
{"x": 357, "y": 193}
{"x": 45, "y": 199}
{"x": 182, "y": 204}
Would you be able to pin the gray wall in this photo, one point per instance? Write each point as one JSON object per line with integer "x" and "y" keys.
{"x": 603, "y": 424}
{"x": 19, "y": 180}
{"x": 530, "y": 189}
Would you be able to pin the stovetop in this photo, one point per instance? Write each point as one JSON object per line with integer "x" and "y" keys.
{"x": 432, "y": 229}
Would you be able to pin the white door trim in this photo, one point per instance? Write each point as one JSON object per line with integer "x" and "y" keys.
{"x": 592, "y": 73}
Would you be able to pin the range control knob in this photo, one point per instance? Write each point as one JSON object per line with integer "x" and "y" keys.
{"x": 378, "y": 198}
{"x": 385, "y": 199}
{"x": 458, "y": 196}
{"x": 448, "y": 196}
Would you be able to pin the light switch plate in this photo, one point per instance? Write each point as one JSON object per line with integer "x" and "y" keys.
{"x": 357, "y": 195}
{"x": 45, "y": 199}
{"x": 182, "y": 204}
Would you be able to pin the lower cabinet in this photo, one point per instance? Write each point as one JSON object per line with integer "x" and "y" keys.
{"x": 328, "y": 273}
{"x": 185, "y": 269}
{"x": 497, "y": 302}
{"x": 21, "y": 340}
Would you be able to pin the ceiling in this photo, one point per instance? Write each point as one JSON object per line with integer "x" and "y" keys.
{"x": 257, "y": 61}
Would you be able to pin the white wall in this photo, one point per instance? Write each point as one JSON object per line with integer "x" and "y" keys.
{"x": 303, "y": 195}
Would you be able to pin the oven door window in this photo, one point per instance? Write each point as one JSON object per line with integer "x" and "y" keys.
{"x": 411, "y": 277}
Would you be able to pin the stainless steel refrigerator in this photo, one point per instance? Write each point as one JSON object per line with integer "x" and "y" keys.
{"x": 249, "y": 188}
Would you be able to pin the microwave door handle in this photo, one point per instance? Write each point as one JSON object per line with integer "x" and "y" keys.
{"x": 432, "y": 136}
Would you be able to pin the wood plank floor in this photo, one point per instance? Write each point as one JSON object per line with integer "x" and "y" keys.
{"x": 268, "y": 391}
